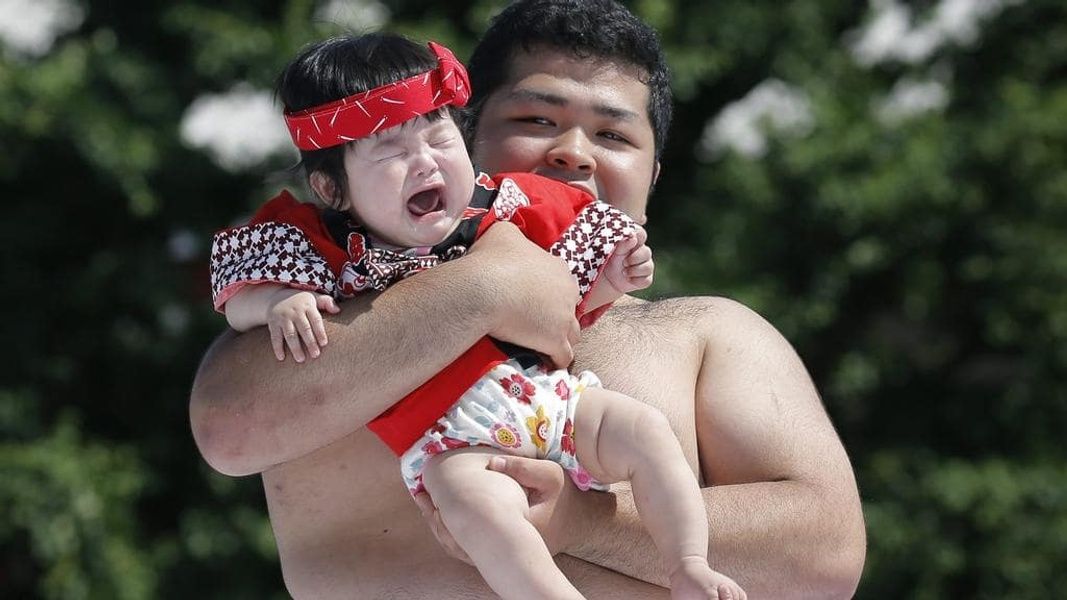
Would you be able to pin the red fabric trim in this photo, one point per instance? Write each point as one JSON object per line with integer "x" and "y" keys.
{"x": 231, "y": 290}
{"x": 406, "y": 421}
{"x": 590, "y": 317}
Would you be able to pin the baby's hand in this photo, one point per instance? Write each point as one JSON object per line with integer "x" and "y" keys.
{"x": 630, "y": 266}
{"x": 293, "y": 316}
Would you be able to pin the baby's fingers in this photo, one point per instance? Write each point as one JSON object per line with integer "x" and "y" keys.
{"x": 292, "y": 340}
{"x": 640, "y": 235}
{"x": 307, "y": 331}
{"x": 641, "y": 254}
{"x": 327, "y": 303}
{"x": 625, "y": 246}
{"x": 634, "y": 242}
{"x": 643, "y": 269}
{"x": 318, "y": 329}
{"x": 277, "y": 342}
{"x": 640, "y": 275}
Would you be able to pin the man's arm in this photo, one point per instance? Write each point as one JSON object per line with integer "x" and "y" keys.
{"x": 783, "y": 508}
{"x": 250, "y": 412}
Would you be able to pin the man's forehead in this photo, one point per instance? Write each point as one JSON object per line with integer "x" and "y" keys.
{"x": 530, "y": 92}
{"x": 543, "y": 56}
{"x": 563, "y": 62}
{"x": 558, "y": 77}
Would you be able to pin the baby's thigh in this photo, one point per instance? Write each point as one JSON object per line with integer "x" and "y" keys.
{"x": 459, "y": 483}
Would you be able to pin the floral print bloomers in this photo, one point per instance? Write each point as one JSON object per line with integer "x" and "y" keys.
{"x": 525, "y": 412}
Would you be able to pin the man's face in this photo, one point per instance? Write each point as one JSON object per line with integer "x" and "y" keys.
{"x": 583, "y": 122}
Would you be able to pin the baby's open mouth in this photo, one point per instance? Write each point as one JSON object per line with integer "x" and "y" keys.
{"x": 426, "y": 202}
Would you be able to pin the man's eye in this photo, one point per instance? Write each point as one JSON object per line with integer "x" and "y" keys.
{"x": 390, "y": 156}
{"x": 441, "y": 142}
{"x": 615, "y": 137}
{"x": 535, "y": 121}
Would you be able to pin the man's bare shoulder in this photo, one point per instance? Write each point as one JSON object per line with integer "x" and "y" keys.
{"x": 679, "y": 316}
{"x": 676, "y": 330}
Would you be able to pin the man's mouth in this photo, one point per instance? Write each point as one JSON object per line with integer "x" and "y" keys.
{"x": 426, "y": 202}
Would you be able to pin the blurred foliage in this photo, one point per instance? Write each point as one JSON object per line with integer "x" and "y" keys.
{"x": 918, "y": 263}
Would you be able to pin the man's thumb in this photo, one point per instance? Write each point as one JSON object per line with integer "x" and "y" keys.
{"x": 426, "y": 507}
{"x": 498, "y": 464}
{"x": 523, "y": 470}
{"x": 512, "y": 466}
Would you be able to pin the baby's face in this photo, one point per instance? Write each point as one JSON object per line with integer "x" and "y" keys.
{"x": 409, "y": 184}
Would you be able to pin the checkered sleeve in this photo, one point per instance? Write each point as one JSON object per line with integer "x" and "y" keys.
{"x": 270, "y": 252}
{"x": 590, "y": 241}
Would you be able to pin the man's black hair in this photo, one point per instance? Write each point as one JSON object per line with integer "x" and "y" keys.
{"x": 593, "y": 29}
{"x": 338, "y": 67}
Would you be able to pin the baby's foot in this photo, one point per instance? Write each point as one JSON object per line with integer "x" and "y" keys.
{"x": 695, "y": 580}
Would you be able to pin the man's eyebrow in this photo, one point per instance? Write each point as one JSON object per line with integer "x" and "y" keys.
{"x": 607, "y": 110}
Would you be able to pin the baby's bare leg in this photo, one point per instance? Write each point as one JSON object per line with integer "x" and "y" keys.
{"x": 618, "y": 438}
{"x": 486, "y": 512}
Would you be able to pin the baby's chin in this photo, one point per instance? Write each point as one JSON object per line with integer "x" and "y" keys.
{"x": 431, "y": 229}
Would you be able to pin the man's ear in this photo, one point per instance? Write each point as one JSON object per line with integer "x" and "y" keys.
{"x": 324, "y": 187}
{"x": 655, "y": 173}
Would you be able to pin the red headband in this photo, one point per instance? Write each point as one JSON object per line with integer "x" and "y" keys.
{"x": 366, "y": 113}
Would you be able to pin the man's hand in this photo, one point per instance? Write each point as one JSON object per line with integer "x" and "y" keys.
{"x": 547, "y": 491}
{"x": 437, "y": 526}
{"x": 538, "y": 310}
{"x": 551, "y": 494}
{"x": 294, "y": 320}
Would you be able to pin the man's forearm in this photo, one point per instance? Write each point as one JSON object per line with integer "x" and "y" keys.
{"x": 249, "y": 411}
{"x": 767, "y": 536}
{"x": 783, "y": 510}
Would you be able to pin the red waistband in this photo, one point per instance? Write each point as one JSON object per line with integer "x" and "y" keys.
{"x": 406, "y": 421}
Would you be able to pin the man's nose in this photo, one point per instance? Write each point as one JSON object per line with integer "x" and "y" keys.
{"x": 572, "y": 151}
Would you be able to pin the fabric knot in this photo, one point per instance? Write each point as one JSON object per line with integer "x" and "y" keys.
{"x": 455, "y": 83}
